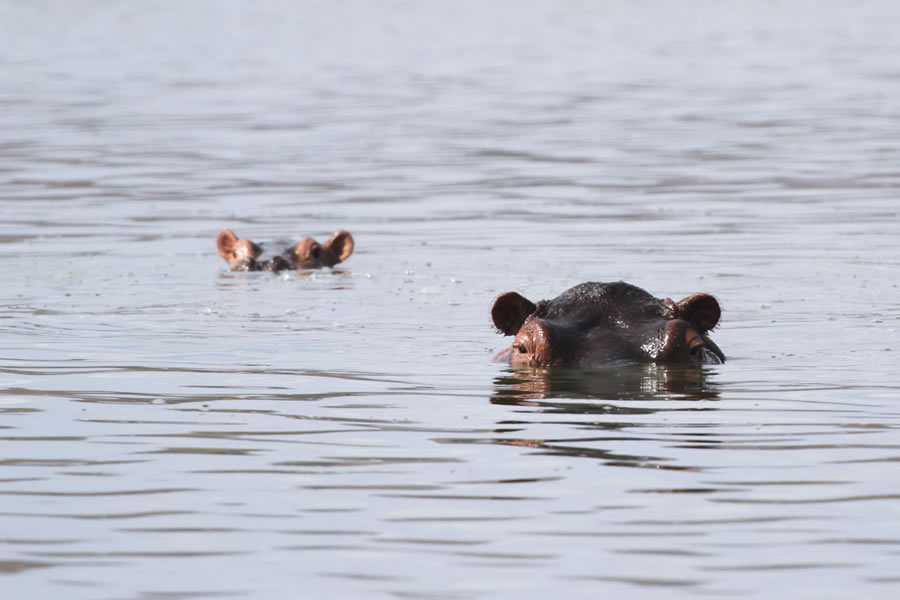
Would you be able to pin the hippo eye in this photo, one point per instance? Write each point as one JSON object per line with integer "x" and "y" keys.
{"x": 520, "y": 348}
{"x": 316, "y": 252}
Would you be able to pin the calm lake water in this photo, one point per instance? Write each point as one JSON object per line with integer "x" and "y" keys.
{"x": 169, "y": 430}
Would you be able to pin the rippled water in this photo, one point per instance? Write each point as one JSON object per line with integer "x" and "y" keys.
{"x": 171, "y": 430}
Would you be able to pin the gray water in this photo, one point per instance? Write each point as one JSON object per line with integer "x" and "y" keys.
{"x": 171, "y": 430}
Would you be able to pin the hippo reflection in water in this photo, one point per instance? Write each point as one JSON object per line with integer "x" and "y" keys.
{"x": 245, "y": 255}
{"x": 598, "y": 324}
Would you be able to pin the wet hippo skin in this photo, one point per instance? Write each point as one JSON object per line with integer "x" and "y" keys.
{"x": 245, "y": 255}
{"x": 598, "y": 324}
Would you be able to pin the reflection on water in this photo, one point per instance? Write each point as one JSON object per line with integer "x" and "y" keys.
{"x": 628, "y": 382}
{"x": 599, "y": 400}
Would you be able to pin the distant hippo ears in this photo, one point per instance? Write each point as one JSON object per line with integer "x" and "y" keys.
{"x": 509, "y": 312}
{"x": 225, "y": 243}
{"x": 701, "y": 310}
{"x": 310, "y": 254}
{"x": 340, "y": 245}
{"x": 232, "y": 248}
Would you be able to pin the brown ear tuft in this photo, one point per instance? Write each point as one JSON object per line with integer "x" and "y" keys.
{"x": 509, "y": 312}
{"x": 340, "y": 245}
{"x": 701, "y": 310}
{"x": 225, "y": 242}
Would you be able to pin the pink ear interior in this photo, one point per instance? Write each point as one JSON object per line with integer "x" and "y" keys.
{"x": 340, "y": 245}
{"x": 225, "y": 242}
{"x": 509, "y": 312}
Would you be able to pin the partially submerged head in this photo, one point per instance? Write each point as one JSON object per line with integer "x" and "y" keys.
{"x": 240, "y": 254}
{"x": 245, "y": 255}
{"x": 596, "y": 324}
{"x": 310, "y": 254}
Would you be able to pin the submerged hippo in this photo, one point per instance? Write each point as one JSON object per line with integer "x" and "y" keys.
{"x": 596, "y": 324}
{"x": 244, "y": 255}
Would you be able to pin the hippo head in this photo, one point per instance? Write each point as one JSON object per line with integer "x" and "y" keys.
{"x": 240, "y": 254}
{"x": 596, "y": 324}
{"x": 310, "y": 254}
{"x": 244, "y": 255}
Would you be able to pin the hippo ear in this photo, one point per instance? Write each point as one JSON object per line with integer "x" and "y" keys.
{"x": 340, "y": 245}
{"x": 509, "y": 312}
{"x": 701, "y": 310}
{"x": 225, "y": 242}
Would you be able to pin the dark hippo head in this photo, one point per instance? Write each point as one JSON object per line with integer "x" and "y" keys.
{"x": 597, "y": 324}
{"x": 244, "y": 255}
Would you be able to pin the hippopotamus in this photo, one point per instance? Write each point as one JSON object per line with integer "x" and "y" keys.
{"x": 245, "y": 255}
{"x": 600, "y": 324}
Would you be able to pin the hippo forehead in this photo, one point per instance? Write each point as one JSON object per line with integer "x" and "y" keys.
{"x": 592, "y": 302}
